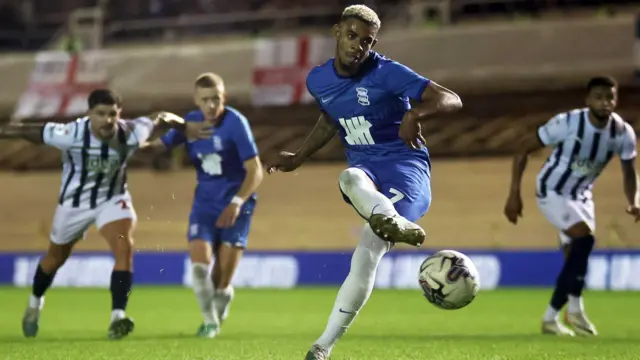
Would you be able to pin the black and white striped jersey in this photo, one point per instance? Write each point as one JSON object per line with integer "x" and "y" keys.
{"x": 93, "y": 171}
{"x": 581, "y": 151}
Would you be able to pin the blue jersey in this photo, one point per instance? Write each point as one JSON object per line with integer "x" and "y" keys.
{"x": 368, "y": 108}
{"x": 219, "y": 161}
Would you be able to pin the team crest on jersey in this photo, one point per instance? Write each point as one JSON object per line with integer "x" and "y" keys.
{"x": 217, "y": 143}
{"x": 363, "y": 96}
{"x": 100, "y": 165}
{"x": 586, "y": 167}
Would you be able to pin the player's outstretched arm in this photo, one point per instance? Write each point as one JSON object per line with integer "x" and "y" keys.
{"x": 160, "y": 131}
{"x": 179, "y": 130}
{"x": 29, "y": 132}
{"x": 163, "y": 121}
{"x": 153, "y": 147}
{"x": 322, "y": 133}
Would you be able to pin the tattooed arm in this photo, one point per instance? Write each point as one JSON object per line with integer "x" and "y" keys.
{"x": 321, "y": 134}
{"x": 29, "y": 132}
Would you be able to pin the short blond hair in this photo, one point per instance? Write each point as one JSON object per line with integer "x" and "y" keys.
{"x": 209, "y": 80}
{"x": 363, "y": 13}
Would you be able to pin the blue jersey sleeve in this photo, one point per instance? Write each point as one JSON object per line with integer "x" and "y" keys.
{"x": 402, "y": 81}
{"x": 310, "y": 89}
{"x": 172, "y": 138}
{"x": 244, "y": 140}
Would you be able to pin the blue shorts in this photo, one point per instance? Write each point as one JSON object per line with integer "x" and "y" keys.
{"x": 407, "y": 182}
{"x": 202, "y": 226}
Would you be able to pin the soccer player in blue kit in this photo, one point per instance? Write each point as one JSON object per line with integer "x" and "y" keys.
{"x": 221, "y": 145}
{"x": 364, "y": 97}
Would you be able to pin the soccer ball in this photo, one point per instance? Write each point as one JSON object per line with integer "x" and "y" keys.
{"x": 449, "y": 279}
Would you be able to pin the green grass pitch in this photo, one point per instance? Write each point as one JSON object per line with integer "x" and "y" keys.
{"x": 272, "y": 324}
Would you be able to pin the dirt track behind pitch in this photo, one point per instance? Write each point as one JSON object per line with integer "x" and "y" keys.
{"x": 304, "y": 210}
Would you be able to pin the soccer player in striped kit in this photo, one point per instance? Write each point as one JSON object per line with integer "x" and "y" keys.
{"x": 583, "y": 141}
{"x": 93, "y": 191}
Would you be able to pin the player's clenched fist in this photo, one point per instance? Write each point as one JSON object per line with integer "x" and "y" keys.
{"x": 229, "y": 216}
{"x": 513, "y": 208}
{"x": 634, "y": 211}
{"x": 165, "y": 118}
{"x": 411, "y": 132}
{"x": 285, "y": 162}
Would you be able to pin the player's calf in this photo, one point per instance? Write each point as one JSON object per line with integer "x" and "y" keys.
{"x": 570, "y": 282}
{"x": 577, "y": 259}
{"x": 56, "y": 256}
{"x": 200, "y": 255}
{"x": 228, "y": 257}
{"x": 353, "y": 293}
{"x": 119, "y": 236}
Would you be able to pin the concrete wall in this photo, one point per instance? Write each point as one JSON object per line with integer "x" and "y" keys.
{"x": 481, "y": 57}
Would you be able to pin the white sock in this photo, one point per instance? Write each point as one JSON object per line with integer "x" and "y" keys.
{"x": 357, "y": 287}
{"x": 203, "y": 288}
{"x": 117, "y": 314}
{"x": 222, "y": 301}
{"x": 550, "y": 315}
{"x": 575, "y": 304}
{"x": 364, "y": 196}
{"x": 36, "y": 302}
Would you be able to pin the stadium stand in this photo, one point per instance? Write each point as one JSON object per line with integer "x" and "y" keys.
{"x": 31, "y": 24}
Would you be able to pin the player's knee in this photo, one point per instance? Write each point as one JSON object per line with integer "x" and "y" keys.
{"x": 579, "y": 230}
{"x": 124, "y": 244}
{"x": 200, "y": 251}
{"x": 353, "y": 177}
{"x": 123, "y": 252}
